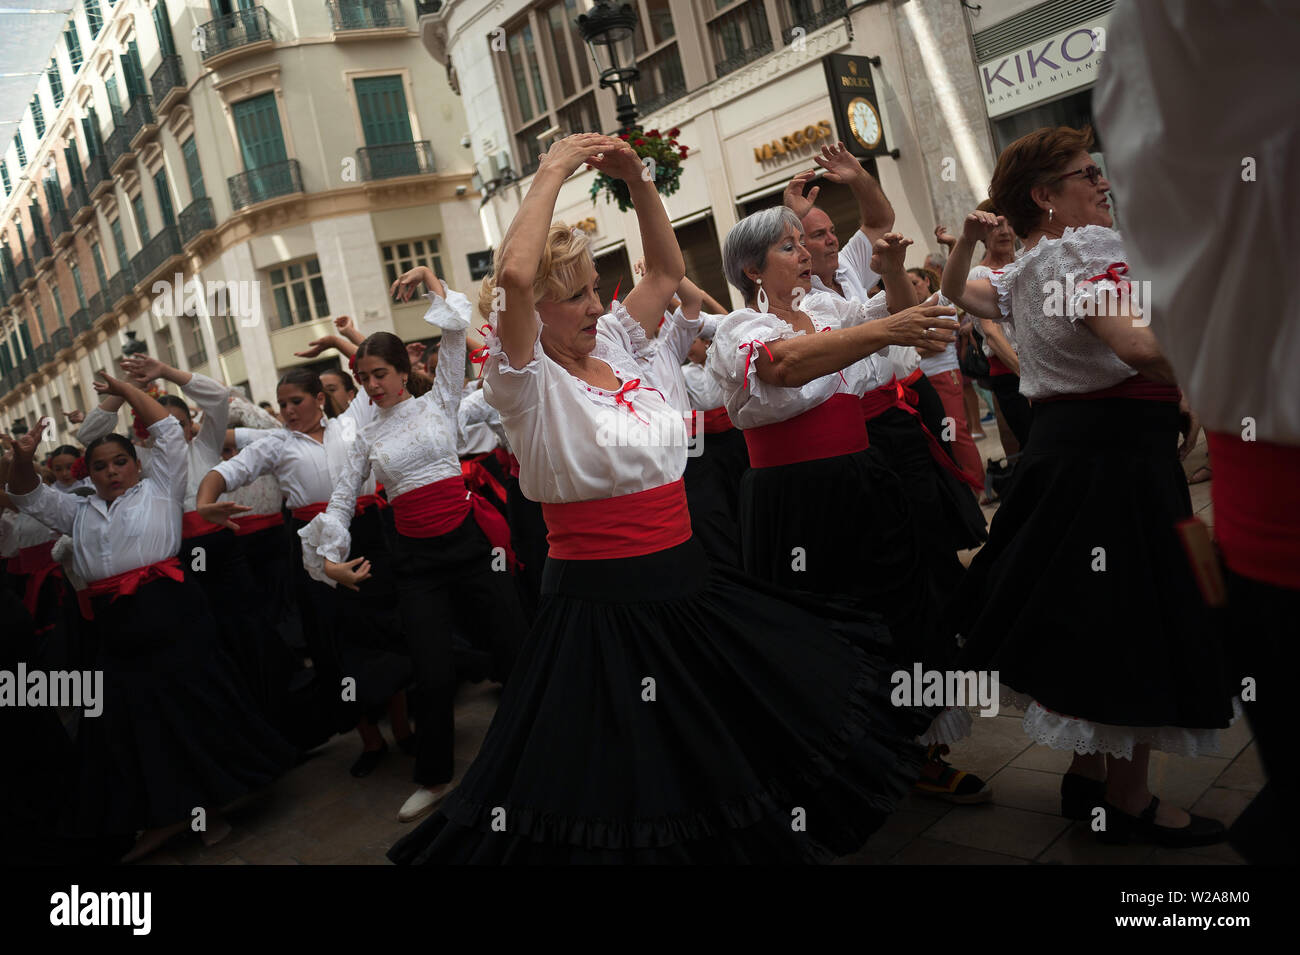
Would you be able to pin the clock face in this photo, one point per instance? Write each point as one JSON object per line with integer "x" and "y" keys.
{"x": 864, "y": 122}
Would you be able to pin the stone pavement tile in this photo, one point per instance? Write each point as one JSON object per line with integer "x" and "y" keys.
{"x": 1044, "y": 759}
{"x": 1182, "y": 780}
{"x": 930, "y": 852}
{"x": 234, "y": 860}
{"x": 993, "y": 743}
{"x": 1027, "y": 789}
{"x": 1163, "y": 856}
{"x": 311, "y": 851}
{"x": 1234, "y": 739}
{"x": 1245, "y": 772}
{"x": 1079, "y": 846}
{"x": 217, "y": 855}
{"x": 363, "y": 857}
{"x": 925, "y": 805}
{"x": 272, "y": 844}
{"x": 1013, "y": 832}
{"x": 898, "y": 832}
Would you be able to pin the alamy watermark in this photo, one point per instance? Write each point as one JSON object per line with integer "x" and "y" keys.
{"x": 74, "y": 689}
{"x": 241, "y": 298}
{"x": 920, "y": 687}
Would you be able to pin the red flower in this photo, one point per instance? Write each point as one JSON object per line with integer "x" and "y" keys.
{"x": 682, "y": 152}
{"x": 623, "y": 136}
{"x": 79, "y": 468}
{"x": 653, "y": 132}
{"x": 674, "y": 131}
{"x": 638, "y": 142}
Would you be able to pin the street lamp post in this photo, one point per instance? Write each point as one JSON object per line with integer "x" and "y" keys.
{"x": 609, "y": 33}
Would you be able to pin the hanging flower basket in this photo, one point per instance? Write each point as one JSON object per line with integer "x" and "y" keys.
{"x": 667, "y": 155}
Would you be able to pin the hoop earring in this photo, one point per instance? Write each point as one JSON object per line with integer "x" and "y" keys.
{"x": 763, "y": 303}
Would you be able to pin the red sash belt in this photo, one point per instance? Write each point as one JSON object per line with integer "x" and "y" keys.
{"x": 996, "y": 367}
{"x": 1138, "y": 387}
{"x": 713, "y": 421}
{"x": 1256, "y": 493}
{"x": 365, "y": 502}
{"x": 897, "y": 394}
{"x": 252, "y": 523}
{"x": 37, "y": 564}
{"x": 194, "y": 524}
{"x": 834, "y": 428}
{"x": 630, "y": 525}
{"x": 477, "y": 476}
{"x": 509, "y": 463}
{"x": 128, "y": 582}
{"x": 439, "y": 508}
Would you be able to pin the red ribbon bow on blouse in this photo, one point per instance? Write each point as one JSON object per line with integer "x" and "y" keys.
{"x": 749, "y": 348}
{"x": 479, "y": 356}
{"x": 620, "y": 396}
{"x": 1115, "y": 272}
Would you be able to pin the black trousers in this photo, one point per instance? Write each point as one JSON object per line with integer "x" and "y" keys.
{"x": 1015, "y": 406}
{"x": 445, "y": 582}
{"x": 1261, "y": 638}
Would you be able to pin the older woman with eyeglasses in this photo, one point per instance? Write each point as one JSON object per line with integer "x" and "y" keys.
{"x": 1083, "y": 599}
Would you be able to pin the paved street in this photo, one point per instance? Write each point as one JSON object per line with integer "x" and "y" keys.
{"x": 318, "y": 814}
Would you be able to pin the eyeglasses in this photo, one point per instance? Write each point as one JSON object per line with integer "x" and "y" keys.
{"x": 1092, "y": 173}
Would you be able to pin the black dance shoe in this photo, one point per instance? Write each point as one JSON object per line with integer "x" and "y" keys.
{"x": 1121, "y": 829}
{"x": 367, "y": 761}
{"x": 1080, "y": 796}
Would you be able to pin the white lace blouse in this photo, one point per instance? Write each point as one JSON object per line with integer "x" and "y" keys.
{"x": 141, "y": 527}
{"x": 1045, "y": 292}
{"x": 576, "y": 442}
{"x": 406, "y": 446}
{"x": 738, "y": 342}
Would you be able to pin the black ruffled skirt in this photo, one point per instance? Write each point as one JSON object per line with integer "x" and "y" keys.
{"x": 1083, "y": 599}
{"x": 712, "y": 481}
{"x": 843, "y": 527}
{"x": 667, "y": 711}
{"x": 178, "y": 728}
{"x": 949, "y": 514}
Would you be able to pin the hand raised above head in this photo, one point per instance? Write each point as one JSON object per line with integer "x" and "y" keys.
{"x": 889, "y": 253}
{"x": 567, "y": 155}
{"x": 793, "y": 197}
{"x": 979, "y": 225}
{"x": 841, "y": 165}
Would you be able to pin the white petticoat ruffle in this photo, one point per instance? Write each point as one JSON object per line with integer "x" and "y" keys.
{"x": 950, "y": 726}
{"x": 1085, "y": 737}
{"x": 324, "y": 538}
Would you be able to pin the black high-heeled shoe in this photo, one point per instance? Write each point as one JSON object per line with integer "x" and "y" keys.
{"x": 1080, "y": 796}
{"x": 367, "y": 761}
{"x": 1122, "y": 828}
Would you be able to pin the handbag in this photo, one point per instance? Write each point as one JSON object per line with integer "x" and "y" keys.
{"x": 972, "y": 360}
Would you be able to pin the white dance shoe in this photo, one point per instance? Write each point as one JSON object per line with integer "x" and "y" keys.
{"x": 421, "y": 803}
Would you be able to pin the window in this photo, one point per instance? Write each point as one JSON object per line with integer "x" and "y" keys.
{"x": 808, "y": 15}
{"x": 403, "y": 256}
{"x": 114, "y": 102}
{"x": 119, "y": 244}
{"x": 257, "y": 121}
{"x": 99, "y": 267}
{"x": 75, "y": 269}
{"x": 662, "y": 80}
{"x": 38, "y": 116}
{"x": 141, "y": 223}
{"x": 40, "y": 323}
{"x": 93, "y": 18}
{"x": 162, "y": 24}
{"x": 18, "y": 144}
{"x": 228, "y": 334}
{"x": 73, "y": 43}
{"x": 195, "y": 351}
{"x": 192, "y": 170}
{"x": 739, "y": 34}
{"x": 4, "y": 174}
{"x": 299, "y": 292}
{"x": 56, "y": 82}
{"x": 167, "y": 351}
{"x": 164, "y": 197}
{"x": 58, "y": 305}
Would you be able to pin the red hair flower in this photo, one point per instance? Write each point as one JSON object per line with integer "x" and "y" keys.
{"x": 79, "y": 470}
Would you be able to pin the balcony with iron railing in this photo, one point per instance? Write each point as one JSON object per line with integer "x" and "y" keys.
{"x": 83, "y": 318}
{"x": 228, "y": 342}
{"x": 830, "y": 10}
{"x": 234, "y": 35}
{"x": 62, "y": 337}
{"x": 24, "y": 274}
{"x": 61, "y": 227}
{"x": 349, "y": 16}
{"x": 27, "y": 367}
{"x": 157, "y": 252}
{"x": 740, "y": 36}
{"x": 427, "y": 7}
{"x": 265, "y": 182}
{"x": 120, "y": 286}
{"x": 78, "y": 200}
{"x": 44, "y": 354}
{"x": 42, "y": 254}
{"x": 140, "y": 123}
{"x": 98, "y": 306}
{"x": 98, "y": 178}
{"x": 196, "y": 219}
{"x": 168, "y": 84}
{"x": 395, "y": 159}
{"x": 117, "y": 148}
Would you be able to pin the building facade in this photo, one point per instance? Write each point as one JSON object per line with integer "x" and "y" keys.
{"x": 221, "y": 179}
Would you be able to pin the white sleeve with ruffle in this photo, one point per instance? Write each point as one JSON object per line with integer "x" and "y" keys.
{"x": 733, "y": 362}
{"x": 514, "y": 390}
{"x": 327, "y": 536}
{"x": 1095, "y": 257}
